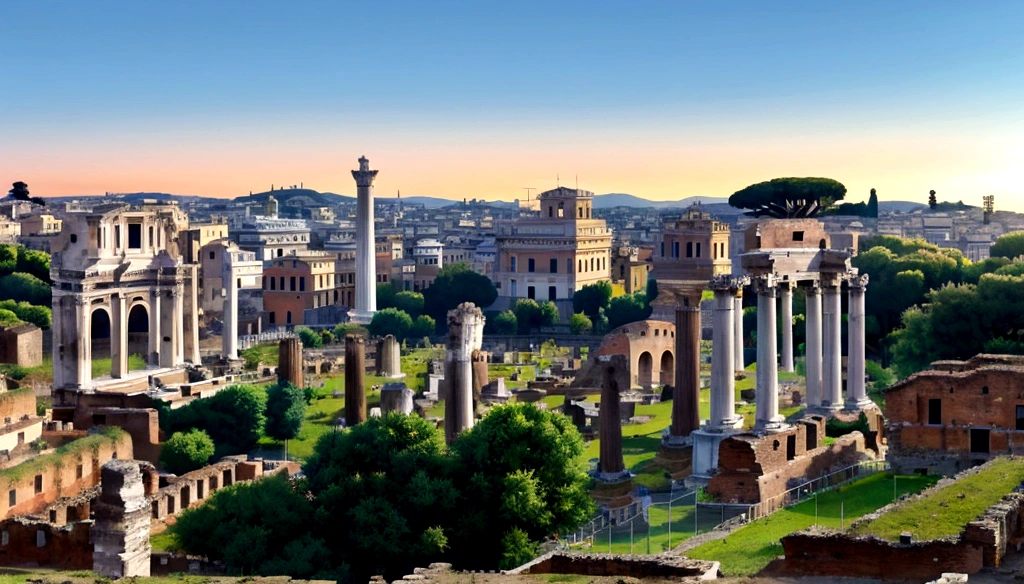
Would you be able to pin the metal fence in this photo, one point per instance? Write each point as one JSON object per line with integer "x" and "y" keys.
{"x": 246, "y": 341}
{"x": 806, "y": 490}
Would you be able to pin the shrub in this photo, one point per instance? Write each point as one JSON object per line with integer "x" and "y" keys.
{"x": 20, "y": 286}
{"x": 309, "y": 337}
{"x": 186, "y": 451}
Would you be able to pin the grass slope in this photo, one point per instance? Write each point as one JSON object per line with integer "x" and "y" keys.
{"x": 944, "y": 513}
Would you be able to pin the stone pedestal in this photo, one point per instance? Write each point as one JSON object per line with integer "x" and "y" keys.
{"x": 396, "y": 397}
{"x": 355, "y": 384}
{"x": 289, "y": 361}
{"x": 120, "y": 535}
{"x": 465, "y": 335}
{"x": 705, "y": 452}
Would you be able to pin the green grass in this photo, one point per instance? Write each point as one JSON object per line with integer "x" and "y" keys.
{"x": 102, "y": 366}
{"x": 164, "y": 542}
{"x": 943, "y": 513}
{"x": 749, "y": 549}
{"x": 658, "y": 537}
{"x": 265, "y": 353}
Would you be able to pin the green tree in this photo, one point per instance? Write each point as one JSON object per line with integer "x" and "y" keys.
{"x": 423, "y": 326}
{"x": 390, "y": 321}
{"x": 8, "y": 259}
{"x": 789, "y": 197}
{"x": 186, "y": 451}
{"x": 932, "y": 201}
{"x": 455, "y": 284}
{"x": 309, "y": 337}
{"x": 591, "y": 298}
{"x": 548, "y": 313}
{"x": 1009, "y": 246}
{"x": 872, "y": 210}
{"x": 409, "y": 302}
{"x": 286, "y": 409}
{"x": 528, "y": 315}
{"x": 626, "y": 309}
{"x": 8, "y": 318}
{"x": 911, "y": 345}
{"x": 25, "y": 287}
{"x": 326, "y": 337}
{"x": 234, "y": 417}
{"x": 339, "y": 331}
{"x": 385, "y": 295}
{"x": 34, "y": 262}
{"x": 505, "y": 323}
{"x": 579, "y": 324}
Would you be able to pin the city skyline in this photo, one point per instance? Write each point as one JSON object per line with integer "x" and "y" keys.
{"x": 658, "y": 100}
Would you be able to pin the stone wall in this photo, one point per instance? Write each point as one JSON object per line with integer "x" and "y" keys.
{"x": 25, "y": 542}
{"x": 654, "y": 566}
{"x": 21, "y": 345}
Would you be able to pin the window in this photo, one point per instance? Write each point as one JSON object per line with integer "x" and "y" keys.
{"x": 551, "y": 211}
{"x": 74, "y": 239}
{"x": 580, "y": 268}
{"x": 280, "y": 252}
{"x": 675, "y": 249}
{"x": 78, "y": 472}
{"x": 1020, "y": 417}
{"x": 151, "y": 236}
{"x": 980, "y": 440}
{"x": 273, "y": 284}
{"x": 552, "y": 294}
{"x": 698, "y": 250}
{"x": 561, "y": 210}
{"x": 291, "y": 281}
{"x": 512, "y": 288}
{"x": 531, "y": 292}
{"x": 281, "y": 284}
{"x": 302, "y": 283}
{"x": 935, "y": 411}
{"x": 289, "y": 317}
{"x": 12, "y": 498}
{"x": 554, "y": 266}
{"x": 791, "y": 447}
{"x": 134, "y": 236}
{"x": 273, "y": 319}
{"x": 591, "y": 264}
{"x": 568, "y": 265}
{"x": 689, "y": 249}
{"x": 117, "y": 236}
{"x": 663, "y": 249}
{"x": 798, "y": 236}
{"x": 213, "y": 255}
{"x": 530, "y": 265}
{"x": 39, "y": 483}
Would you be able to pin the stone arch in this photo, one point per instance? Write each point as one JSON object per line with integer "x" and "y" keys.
{"x": 100, "y": 332}
{"x": 138, "y": 330}
{"x": 645, "y": 370}
{"x": 668, "y": 367}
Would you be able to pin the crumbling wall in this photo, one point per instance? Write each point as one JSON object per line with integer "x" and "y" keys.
{"x": 121, "y": 533}
{"x": 38, "y": 543}
{"x": 661, "y": 566}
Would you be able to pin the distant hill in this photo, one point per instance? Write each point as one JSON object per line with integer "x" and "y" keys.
{"x": 899, "y": 206}
{"x": 611, "y": 200}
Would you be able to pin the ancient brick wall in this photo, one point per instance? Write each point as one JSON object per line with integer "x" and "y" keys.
{"x": 22, "y": 345}
{"x": 663, "y": 566}
{"x": 42, "y": 544}
{"x": 142, "y": 424}
{"x": 17, "y": 403}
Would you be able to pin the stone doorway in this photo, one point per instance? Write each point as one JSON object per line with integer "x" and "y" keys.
{"x": 645, "y": 370}
{"x": 668, "y": 368}
{"x": 99, "y": 334}
{"x": 138, "y": 333}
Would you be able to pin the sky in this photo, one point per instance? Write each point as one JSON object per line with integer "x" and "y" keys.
{"x": 661, "y": 100}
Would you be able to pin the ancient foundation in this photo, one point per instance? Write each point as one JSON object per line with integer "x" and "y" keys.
{"x": 121, "y": 533}
{"x": 289, "y": 361}
{"x": 465, "y": 335}
{"x": 396, "y": 397}
{"x": 389, "y": 357}
{"x": 355, "y": 387}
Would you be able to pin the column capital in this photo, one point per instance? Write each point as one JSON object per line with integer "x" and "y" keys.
{"x": 858, "y": 282}
{"x": 728, "y": 283}
{"x": 811, "y": 287}
{"x": 766, "y": 285}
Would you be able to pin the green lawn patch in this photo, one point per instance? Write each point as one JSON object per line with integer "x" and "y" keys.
{"x": 102, "y": 366}
{"x": 749, "y": 549}
{"x": 164, "y": 542}
{"x": 265, "y": 353}
{"x": 944, "y": 513}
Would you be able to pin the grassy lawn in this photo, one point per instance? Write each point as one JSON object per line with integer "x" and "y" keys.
{"x": 658, "y": 538}
{"x": 164, "y": 542}
{"x": 749, "y": 549}
{"x": 265, "y": 353}
{"x": 101, "y": 367}
{"x": 945, "y": 513}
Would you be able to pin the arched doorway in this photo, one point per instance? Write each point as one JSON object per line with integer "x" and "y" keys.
{"x": 138, "y": 333}
{"x": 668, "y": 368}
{"x": 645, "y": 370}
{"x": 99, "y": 339}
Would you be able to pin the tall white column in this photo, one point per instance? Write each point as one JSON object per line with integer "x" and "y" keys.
{"x": 723, "y": 369}
{"x": 155, "y": 334}
{"x": 856, "y": 393}
{"x": 366, "y": 257}
{"x": 737, "y": 335}
{"x": 119, "y": 336}
{"x": 814, "y": 357}
{"x": 832, "y": 347}
{"x": 84, "y": 315}
{"x": 179, "y": 324}
{"x": 229, "y": 338}
{"x": 767, "y": 392}
{"x": 786, "y": 298}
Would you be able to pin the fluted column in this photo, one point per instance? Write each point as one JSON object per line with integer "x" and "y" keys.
{"x": 832, "y": 346}
{"x": 814, "y": 357}
{"x": 723, "y": 369}
{"x": 767, "y": 392}
{"x": 786, "y": 299}
{"x": 856, "y": 393}
{"x": 686, "y": 394}
{"x": 737, "y": 338}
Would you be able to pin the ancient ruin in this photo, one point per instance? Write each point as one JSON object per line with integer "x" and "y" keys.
{"x": 465, "y": 335}
{"x": 289, "y": 361}
{"x": 355, "y": 385}
{"x": 121, "y": 546}
{"x": 396, "y": 397}
{"x": 366, "y": 266}
{"x": 389, "y": 357}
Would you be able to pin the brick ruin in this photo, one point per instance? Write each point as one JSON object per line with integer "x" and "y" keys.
{"x": 652, "y": 566}
{"x": 121, "y": 533}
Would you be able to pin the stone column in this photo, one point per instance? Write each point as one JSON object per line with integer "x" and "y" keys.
{"x": 179, "y": 324}
{"x": 190, "y": 316}
{"x": 84, "y": 315}
{"x": 229, "y": 336}
{"x": 119, "y": 335}
{"x": 57, "y": 340}
{"x": 856, "y": 393}
{"x": 120, "y": 536}
{"x": 168, "y": 328}
{"x": 155, "y": 334}
{"x": 737, "y": 337}
{"x": 686, "y": 394}
{"x": 366, "y": 255}
{"x": 723, "y": 368}
{"x": 355, "y": 382}
{"x": 465, "y": 330}
{"x": 832, "y": 346}
{"x": 389, "y": 357}
{"x": 814, "y": 357}
{"x": 289, "y": 361}
{"x": 615, "y": 371}
{"x": 786, "y": 297}
{"x": 767, "y": 392}
{"x": 396, "y": 397}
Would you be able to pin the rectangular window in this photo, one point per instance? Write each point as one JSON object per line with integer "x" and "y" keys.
{"x": 675, "y": 249}
{"x": 530, "y": 265}
{"x": 663, "y": 249}
{"x": 531, "y": 292}
{"x": 12, "y": 498}
{"x": 980, "y": 440}
{"x": 117, "y": 236}
{"x": 689, "y": 249}
{"x": 134, "y": 236}
{"x": 150, "y": 236}
{"x": 552, "y": 294}
{"x": 302, "y": 283}
{"x": 568, "y": 266}
{"x": 1020, "y": 417}
{"x": 273, "y": 319}
{"x": 935, "y": 412}
{"x": 281, "y": 282}
{"x": 292, "y": 283}
{"x": 554, "y": 266}
{"x": 798, "y": 236}
{"x": 512, "y": 264}
{"x": 273, "y": 283}
{"x": 39, "y": 483}
{"x": 698, "y": 250}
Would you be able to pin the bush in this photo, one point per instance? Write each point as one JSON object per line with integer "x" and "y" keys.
{"x": 8, "y": 318}
{"x": 423, "y": 326}
{"x": 20, "y": 286}
{"x": 186, "y": 451}
{"x": 579, "y": 324}
{"x": 410, "y": 303}
{"x": 286, "y": 408}
{"x": 390, "y": 321}
{"x": 34, "y": 262}
{"x": 234, "y": 417}
{"x": 505, "y": 323}
{"x": 41, "y": 316}
{"x": 309, "y": 337}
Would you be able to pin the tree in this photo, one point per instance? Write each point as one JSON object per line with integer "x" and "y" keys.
{"x": 1009, "y": 246}
{"x": 234, "y": 417}
{"x": 932, "y": 201}
{"x": 423, "y": 326}
{"x": 186, "y": 451}
{"x": 455, "y": 284}
{"x": 505, "y": 323}
{"x": 580, "y": 324}
{"x": 409, "y": 302}
{"x": 789, "y": 197}
{"x": 385, "y": 295}
{"x": 25, "y": 287}
{"x": 591, "y": 298}
{"x": 34, "y": 262}
{"x": 390, "y": 321}
{"x": 8, "y": 259}
{"x": 286, "y": 409}
{"x": 627, "y": 309}
{"x": 872, "y": 210}
{"x": 548, "y": 313}
{"x": 8, "y": 318}
{"x": 309, "y": 337}
{"x": 528, "y": 315}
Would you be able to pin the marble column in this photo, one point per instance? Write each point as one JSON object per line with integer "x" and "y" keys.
{"x": 155, "y": 334}
{"x": 686, "y": 394}
{"x": 856, "y": 392}
{"x": 832, "y": 346}
{"x": 355, "y": 381}
{"x": 723, "y": 368}
{"x": 611, "y": 464}
{"x": 786, "y": 299}
{"x": 168, "y": 328}
{"x": 814, "y": 357}
{"x": 84, "y": 314}
{"x": 366, "y": 255}
{"x": 229, "y": 336}
{"x": 179, "y": 324}
{"x": 767, "y": 392}
{"x": 119, "y": 335}
{"x": 465, "y": 330}
{"x": 58, "y": 340}
{"x": 737, "y": 335}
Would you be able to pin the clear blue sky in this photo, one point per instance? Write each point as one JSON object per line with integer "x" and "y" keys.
{"x": 661, "y": 99}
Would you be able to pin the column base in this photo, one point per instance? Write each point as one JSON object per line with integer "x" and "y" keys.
{"x": 612, "y": 477}
{"x": 863, "y": 403}
{"x": 676, "y": 442}
{"x": 705, "y": 451}
{"x": 726, "y": 425}
{"x": 830, "y": 407}
{"x": 360, "y": 316}
{"x": 776, "y": 424}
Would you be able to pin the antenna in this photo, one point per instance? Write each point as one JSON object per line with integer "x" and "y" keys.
{"x": 528, "y": 189}
{"x": 577, "y": 182}
{"x": 558, "y": 180}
